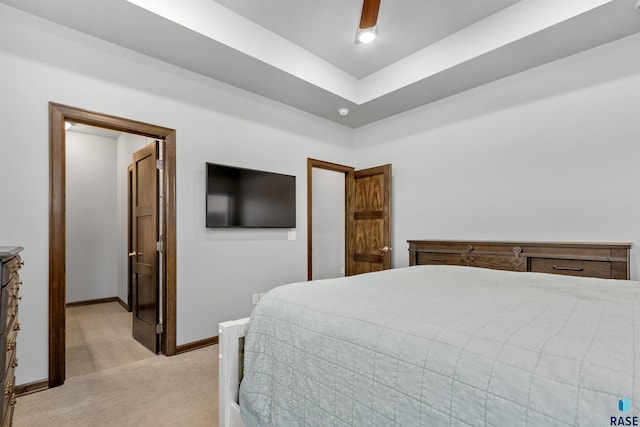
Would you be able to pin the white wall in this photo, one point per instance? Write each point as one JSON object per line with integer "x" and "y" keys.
{"x": 549, "y": 154}
{"x": 91, "y": 217}
{"x": 218, "y": 270}
{"x": 328, "y": 222}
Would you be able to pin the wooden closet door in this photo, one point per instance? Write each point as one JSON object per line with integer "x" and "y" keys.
{"x": 145, "y": 230}
{"x": 369, "y": 220}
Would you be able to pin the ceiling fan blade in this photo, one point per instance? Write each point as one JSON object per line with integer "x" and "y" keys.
{"x": 369, "y": 15}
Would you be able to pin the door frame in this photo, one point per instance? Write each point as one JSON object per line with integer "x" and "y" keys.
{"x": 320, "y": 164}
{"x": 58, "y": 115}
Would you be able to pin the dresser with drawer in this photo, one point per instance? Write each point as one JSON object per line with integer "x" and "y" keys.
{"x": 602, "y": 260}
{"x": 10, "y": 264}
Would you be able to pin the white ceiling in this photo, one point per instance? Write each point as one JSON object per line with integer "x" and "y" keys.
{"x": 303, "y": 52}
{"x": 95, "y": 131}
{"x": 328, "y": 28}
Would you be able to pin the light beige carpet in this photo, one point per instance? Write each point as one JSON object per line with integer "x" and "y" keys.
{"x": 162, "y": 391}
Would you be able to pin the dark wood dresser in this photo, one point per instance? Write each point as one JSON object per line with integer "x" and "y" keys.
{"x": 602, "y": 260}
{"x": 10, "y": 263}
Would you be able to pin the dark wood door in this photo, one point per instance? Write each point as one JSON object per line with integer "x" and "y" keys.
{"x": 145, "y": 285}
{"x": 369, "y": 220}
{"x": 130, "y": 249}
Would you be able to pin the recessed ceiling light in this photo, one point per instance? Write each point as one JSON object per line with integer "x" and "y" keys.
{"x": 366, "y": 35}
{"x": 343, "y": 111}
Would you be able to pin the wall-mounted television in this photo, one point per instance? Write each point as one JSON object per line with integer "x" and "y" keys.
{"x": 239, "y": 197}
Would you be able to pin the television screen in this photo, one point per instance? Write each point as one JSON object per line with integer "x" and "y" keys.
{"x": 238, "y": 197}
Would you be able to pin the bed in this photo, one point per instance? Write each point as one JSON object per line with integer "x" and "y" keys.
{"x": 436, "y": 345}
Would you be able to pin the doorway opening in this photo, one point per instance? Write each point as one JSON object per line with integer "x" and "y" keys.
{"x": 329, "y": 229}
{"x": 58, "y": 115}
{"x": 98, "y": 173}
{"x": 99, "y": 313}
{"x": 367, "y": 229}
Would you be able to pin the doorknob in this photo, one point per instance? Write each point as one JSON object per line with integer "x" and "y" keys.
{"x": 134, "y": 253}
{"x": 385, "y": 249}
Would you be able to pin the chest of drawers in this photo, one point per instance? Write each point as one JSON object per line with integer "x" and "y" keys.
{"x": 10, "y": 264}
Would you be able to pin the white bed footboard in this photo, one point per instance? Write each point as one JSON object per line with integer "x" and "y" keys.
{"x": 231, "y": 345}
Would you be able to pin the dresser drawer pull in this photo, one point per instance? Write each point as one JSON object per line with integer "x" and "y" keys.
{"x": 559, "y": 267}
{"x": 438, "y": 259}
{"x": 7, "y": 388}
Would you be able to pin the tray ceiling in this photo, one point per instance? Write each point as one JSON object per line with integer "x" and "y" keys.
{"x": 303, "y": 53}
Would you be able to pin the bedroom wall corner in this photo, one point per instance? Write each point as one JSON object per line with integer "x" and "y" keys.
{"x": 549, "y": 154}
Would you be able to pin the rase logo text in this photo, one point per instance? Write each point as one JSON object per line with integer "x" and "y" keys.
{"x": 624, "y": 405}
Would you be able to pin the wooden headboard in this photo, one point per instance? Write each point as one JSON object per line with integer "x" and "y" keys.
{"x": 603, "y": 260}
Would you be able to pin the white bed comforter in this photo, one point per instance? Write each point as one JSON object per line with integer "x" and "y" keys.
{"x": 441, "y": 346}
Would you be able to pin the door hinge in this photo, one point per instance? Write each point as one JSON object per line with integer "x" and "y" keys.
{"x": 159, "y": 328}
{"x": 159, "y": 164}
{"x": 159, "y": 246}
